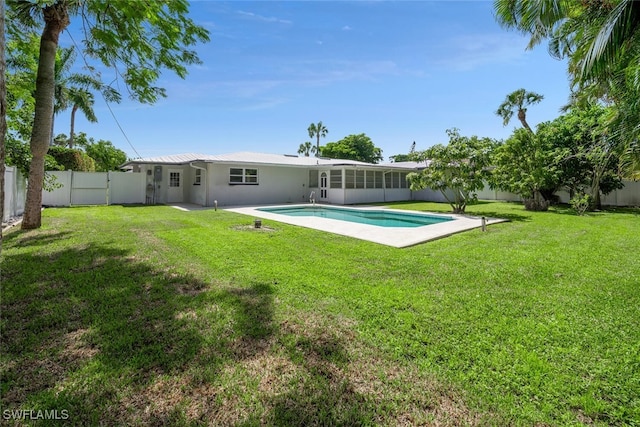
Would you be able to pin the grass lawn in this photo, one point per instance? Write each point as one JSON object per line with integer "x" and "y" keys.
{"x": 150, "y": 315}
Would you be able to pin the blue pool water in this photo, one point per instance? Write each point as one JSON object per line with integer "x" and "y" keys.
{"x": 381, "y": 218}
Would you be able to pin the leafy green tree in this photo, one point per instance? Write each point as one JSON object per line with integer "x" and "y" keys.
{"x": 353, "y": 147}
{"x": 601, "y": 40}
{"x": 518, "y": 101}
{"x": 72, "y": 159}
{"x": 401, "y": 158}
{"x": 306, "y": 148}
{"x": 106, "y": 156}
{"x": 527, "y": 165}
{"x": 22, "y": 65}
{"x": 458, "y": 170}
{"x": 580, "y": 138}
{"x": 139, "y": 39}
{"x": 317, "y": 131}
{"x": 404, "y": 157}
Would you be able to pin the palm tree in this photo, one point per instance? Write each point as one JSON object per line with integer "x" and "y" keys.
{"x": 82, "y": 100}
{"x": 56, "y": 18}
{"x": 317, "y": 131}
{"x": 306, "y": 148}
{"x": 73, "y": 90}
{"x": 136, "y": 39}
{"x": 518, "y": 101}
{"x": 601, "y": 39}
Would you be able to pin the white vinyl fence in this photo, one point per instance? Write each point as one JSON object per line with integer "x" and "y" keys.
{"x": 629, "y": 195}
{"x": 15, "y": 192}
{"x": 95, "y": 188}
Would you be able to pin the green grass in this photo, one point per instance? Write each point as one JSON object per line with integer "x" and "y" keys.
{"x": 150, "y": 315}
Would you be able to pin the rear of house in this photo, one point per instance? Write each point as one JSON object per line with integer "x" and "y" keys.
{"x": 258, "y": 178}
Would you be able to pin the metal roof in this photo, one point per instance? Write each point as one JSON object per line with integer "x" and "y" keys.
{"x": 264, "y": 158}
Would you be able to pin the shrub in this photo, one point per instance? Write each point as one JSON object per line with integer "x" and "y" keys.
{"x": 72, "y": 159}
{"x": 533, "y": 204}
{"x": 581, "y": 203}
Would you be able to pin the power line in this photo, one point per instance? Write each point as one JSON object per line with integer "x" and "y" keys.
{"x": 84, "y": 59}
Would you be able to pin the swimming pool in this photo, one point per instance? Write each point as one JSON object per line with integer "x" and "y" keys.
{"x": 380, "y": 218}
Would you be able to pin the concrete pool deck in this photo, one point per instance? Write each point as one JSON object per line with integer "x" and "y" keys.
{"x": 398, "y": 237}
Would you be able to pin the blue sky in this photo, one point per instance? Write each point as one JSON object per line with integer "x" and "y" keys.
{"x": 396, "y": 71}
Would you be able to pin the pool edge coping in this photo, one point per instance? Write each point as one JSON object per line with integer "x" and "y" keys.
{"x": 398, "y": 237}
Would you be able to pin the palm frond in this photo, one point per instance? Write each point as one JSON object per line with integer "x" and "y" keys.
{"x": 607, "y": 43}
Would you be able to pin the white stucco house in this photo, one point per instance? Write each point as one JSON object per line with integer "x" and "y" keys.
{"x": 247, "y": 178}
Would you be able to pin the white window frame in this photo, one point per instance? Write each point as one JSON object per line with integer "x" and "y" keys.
{"x": 243, "y": 176}
{"x": 174, "y": 178}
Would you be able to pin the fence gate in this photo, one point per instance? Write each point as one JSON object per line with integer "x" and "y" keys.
{"x": 95, "y": 188}
{"x": 89, "y": 188}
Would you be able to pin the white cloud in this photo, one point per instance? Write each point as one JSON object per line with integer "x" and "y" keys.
{"x": 470, "y": 51}
{"x": 263, "y": 18}
{"x": 346, "y": 28}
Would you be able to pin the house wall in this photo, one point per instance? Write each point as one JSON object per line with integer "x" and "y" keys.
{"x": 275, "y": 185}
{"x": 196, "y": 193}
{"x": 375, "y": 195}
{"x": 336, "y": 196}
{"x": 157, "y": 191}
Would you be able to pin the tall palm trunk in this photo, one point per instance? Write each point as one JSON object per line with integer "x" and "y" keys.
{"x": 73, "y": 124}
{"x": 56, "y": 19}
{"x": 522, "y": 116}
{"x": 3, "y": 117}
{"x": 53, "y": 121}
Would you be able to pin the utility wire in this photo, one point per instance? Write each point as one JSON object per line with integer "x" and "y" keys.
{"x": 84, "y": 59}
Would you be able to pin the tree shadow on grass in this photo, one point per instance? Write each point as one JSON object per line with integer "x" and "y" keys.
{"x": 87, "y": 326}
{"x": 113, "y": 339}
{"x": 44, "y": 239}
{"x": 95, "y": 307}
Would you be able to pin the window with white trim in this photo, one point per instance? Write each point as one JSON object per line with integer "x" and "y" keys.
{"x": 349, "y": 178}
{"x": 313, "y": 179}
{"x": 243, "y": 176}
{"x": 378, "y": 179}
{"x": 370, "y": 179}
{"x": 360, "y": 178}
{"x": 198, "y": 177}
{"x": 335, "y": 179}
{"x": 174, "y": 179}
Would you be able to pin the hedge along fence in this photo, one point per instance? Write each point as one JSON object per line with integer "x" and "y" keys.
{"x": 71, "y": 159}
{"x": 95, "y": 188}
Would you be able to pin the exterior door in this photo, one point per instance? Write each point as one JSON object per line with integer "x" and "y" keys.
{"x": 174, "y": 190}
{"x": 323, "y": 186}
